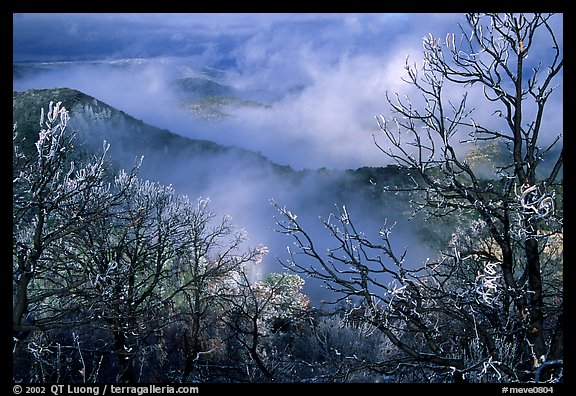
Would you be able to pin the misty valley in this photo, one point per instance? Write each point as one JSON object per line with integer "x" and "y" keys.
{"x": 238, "y": 182}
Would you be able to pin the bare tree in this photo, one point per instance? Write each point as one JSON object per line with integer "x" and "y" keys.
{"x": 490, "y": 310}
{"x": 127, "y": 259}
{"x": 53, "y": 198}
{"x": 519, "y": 210}
{"x": 258, "y": 310}
{"x": 204, "y": 275}
{"x": 103, "y": 264}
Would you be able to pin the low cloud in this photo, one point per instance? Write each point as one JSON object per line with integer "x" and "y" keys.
{"x": 324, "y": 76}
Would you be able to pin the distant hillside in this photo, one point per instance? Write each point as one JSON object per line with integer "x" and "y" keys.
{"x": 201, "y": 86}
{"x": 95, "y": 121}
{"x": 487, "y": 156}
{"x": 210, "y": 100}
{"x": 101, "y": 121}
{"x": 203, "y": 93}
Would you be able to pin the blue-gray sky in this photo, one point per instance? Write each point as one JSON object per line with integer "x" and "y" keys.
{"x": 220, "y": 35}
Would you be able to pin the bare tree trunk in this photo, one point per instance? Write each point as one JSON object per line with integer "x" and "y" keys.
{"x": 535, "y": 303}
{"x": 26, "y": 264}
{"x": 21, "y": 297}
{"x": 125, "y": 374}
{"x": 557, "y": 345}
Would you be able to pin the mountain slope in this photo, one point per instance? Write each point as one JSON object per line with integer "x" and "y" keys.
{"x": 95, "y": 121}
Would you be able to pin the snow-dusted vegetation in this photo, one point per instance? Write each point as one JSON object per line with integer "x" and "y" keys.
{"x": 140, "y": 255}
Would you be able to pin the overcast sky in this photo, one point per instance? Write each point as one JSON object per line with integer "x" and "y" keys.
{"x": 325, "y": 75}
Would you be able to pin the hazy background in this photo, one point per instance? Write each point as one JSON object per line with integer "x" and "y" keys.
{"x": 322, "y": 78}
{"x": 325, "y": 75}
